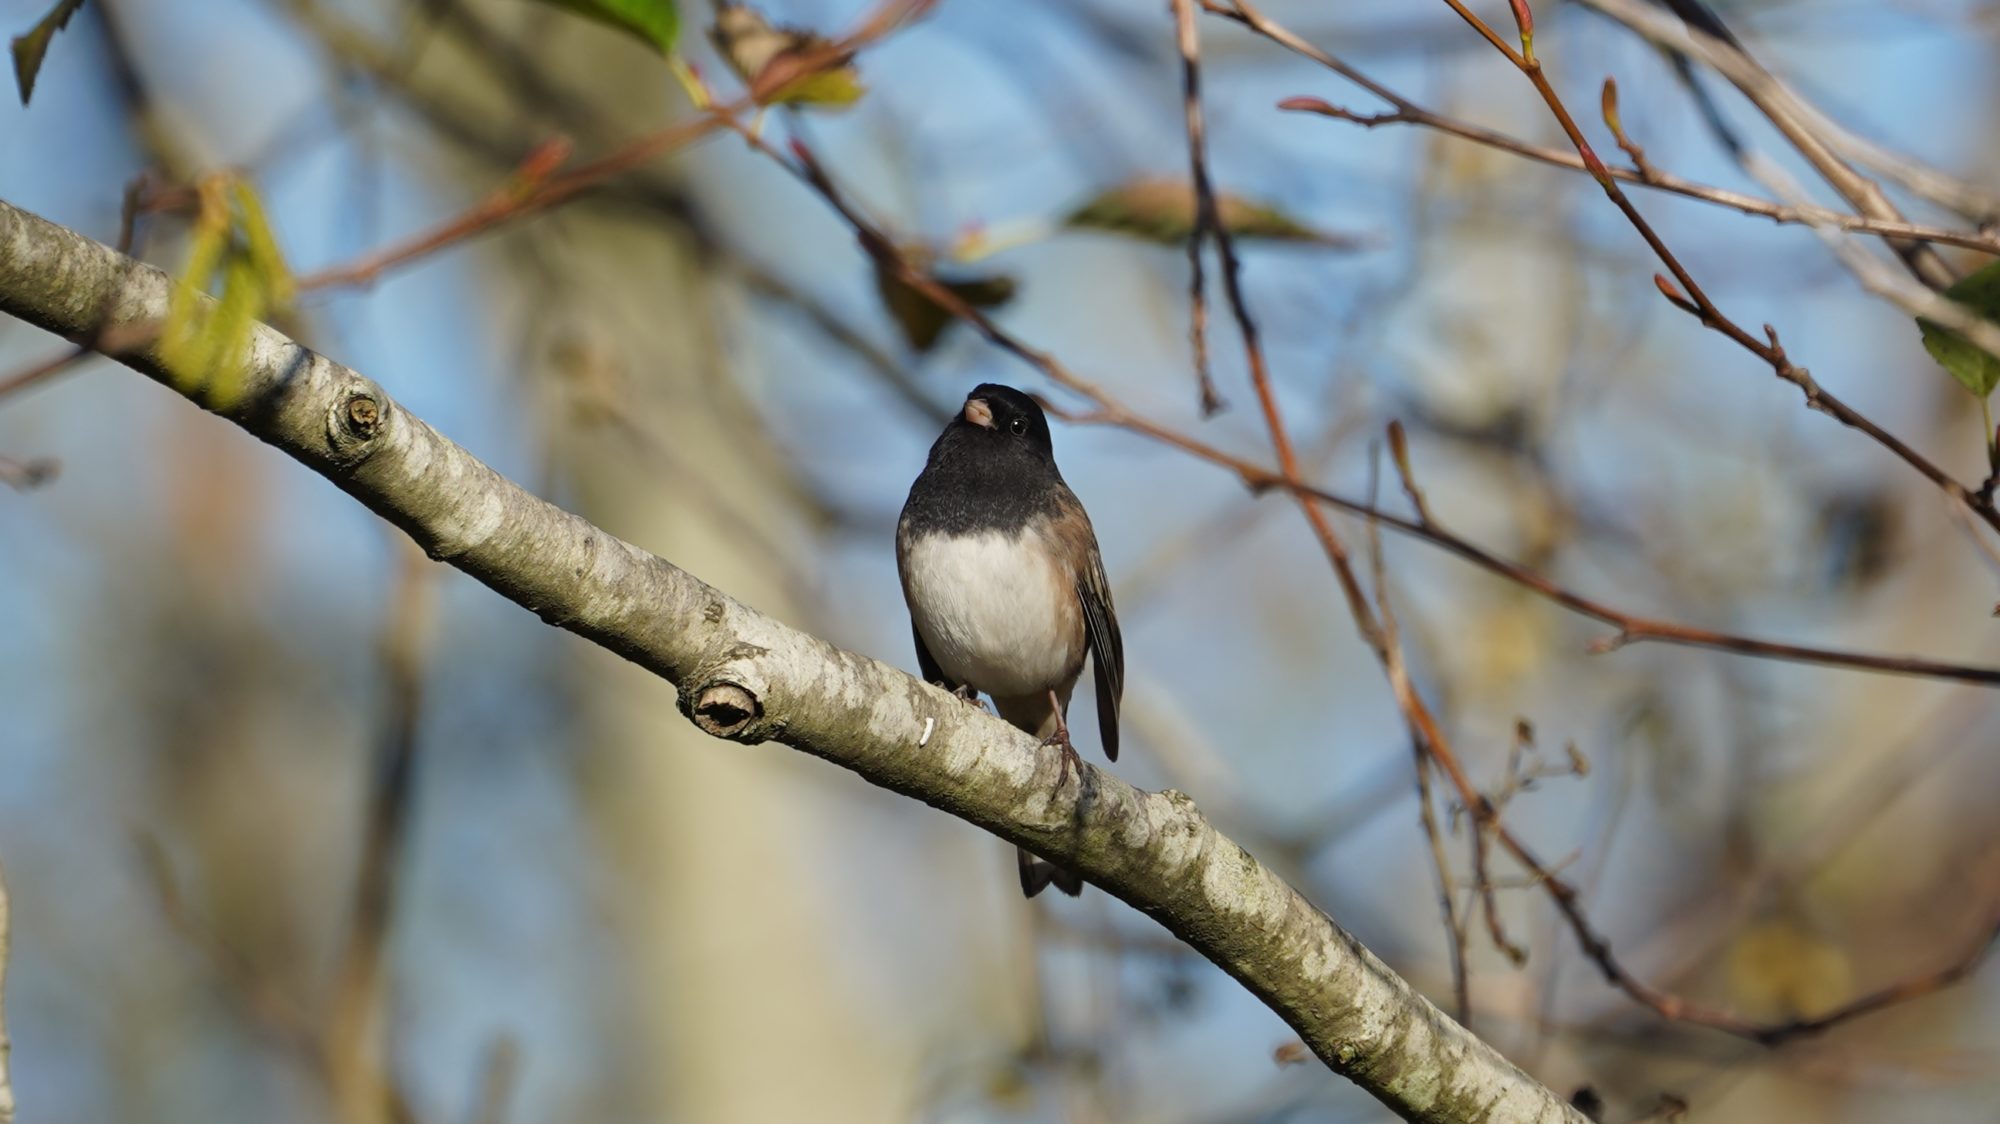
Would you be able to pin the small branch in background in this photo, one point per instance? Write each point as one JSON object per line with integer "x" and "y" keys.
{"x": 138, "y": 198}
{"x": 499, "y": 1072}
{"x": 1784, "y": 214}
{"x": 1648, "y": 21}
{"x": 6, "y": 1043}
{"x": 1695, "y": 302}
{"x": 259, "y": 1000}
{"x": 1631, "y": 627}
{"x": 1523, "y": 770}
{"x": 1816, "y": 136}
{"x": 1399, "y": 681}
{"x": 1792, "y": 118}
{"x": 1882, "y": 279}
{"x": 1568, "y": 901}
{"x": 1685, "y": 293}
{"x": 355, "y": 1043}
{"x": 1902, "y": 991}
{"x": 44, "y": 369}
{"x": 1156, "y": 851}
{"x": 537, "y": 184}
{"x": 1483, "y": 884}
{"x": 1311, "y": 501}
{"x": 34, "y": 472}
{"x": 529, "y": 189}
{"x": 110, "y": 343}
{"x": 1207, "y": 222}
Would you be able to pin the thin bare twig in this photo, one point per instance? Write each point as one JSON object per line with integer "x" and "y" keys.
{"x": 1423, "y": 724}
{"x": 538, "y": 186}
{"x": 1631, "y": 627}
{"x": 1399, "y": 680}
{"x": 1805, "y": 131}
{"x": 1565, "y": 896}
{"x": 110, "y": 344}
{"x": 34, "y": 472}
{"x": 1796, "y": 213}
{"x": 1792, "y": 114}
{"x": 1484, "y": 884}
{"x": 499, "y": 1070}
{"x": 1207, "y": 223}
{"x": 1688, "y": 296}
{"x": 259, "y": 1000}
{"x": 137, "y": 193}
{"x": 356, "y": 1032}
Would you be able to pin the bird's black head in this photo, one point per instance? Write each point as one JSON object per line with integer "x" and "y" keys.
{"x": 993, "y": 468}
{"x": 1000, "y": 413}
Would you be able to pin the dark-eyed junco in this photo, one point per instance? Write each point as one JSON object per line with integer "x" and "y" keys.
{"x": 1006, "y": 588}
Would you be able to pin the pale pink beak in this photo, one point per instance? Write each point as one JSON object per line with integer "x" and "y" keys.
{"x": 979, "y": 413}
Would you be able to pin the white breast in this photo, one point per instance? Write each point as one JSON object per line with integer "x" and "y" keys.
{"x": 994, "y": 612}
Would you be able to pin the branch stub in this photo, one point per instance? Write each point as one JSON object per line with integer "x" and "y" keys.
{"x": 725, "y": 710}
{"x": 364, "y": 416}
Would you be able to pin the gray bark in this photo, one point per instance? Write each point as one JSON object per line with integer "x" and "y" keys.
{"x": 748, "y": 678}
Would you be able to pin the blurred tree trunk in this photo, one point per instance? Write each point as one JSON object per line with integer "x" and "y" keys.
{"x": 739, "y": 1006}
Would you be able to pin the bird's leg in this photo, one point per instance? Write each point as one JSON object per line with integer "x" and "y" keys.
{"x": 1060, "y": 739}
{"x": 968, "y": 696}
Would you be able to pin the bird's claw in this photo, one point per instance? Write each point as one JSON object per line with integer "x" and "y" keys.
{"x": 1070, "y": 758}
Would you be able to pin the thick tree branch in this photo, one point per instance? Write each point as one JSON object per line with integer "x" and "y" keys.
{"x": 749, "y": 678}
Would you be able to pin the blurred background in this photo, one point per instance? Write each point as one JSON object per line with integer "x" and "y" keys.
{"x": 298, "y": 824}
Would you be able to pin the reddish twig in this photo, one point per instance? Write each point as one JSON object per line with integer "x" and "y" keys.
{"x": 1399, "y": 680}
{"x": 139, "y": 197}
{"x": 356, "y": 1035}
{"x": 1769, "y": 350}
{"x": 1482, "y": 881}
{"x": 1423, "y": 724}
{"x": 1410, "y": 113}
{"x": 1631, "y": 627}
{"x": 113, "y": 343}
{"x": 1207, "y": 222}
{"x": 532, "y": 187}
{"x": 1792, "y": 214}
{"x": 536, "y": 186}
{"x": 43, "y": 369}
{"x": 22, "y": 475}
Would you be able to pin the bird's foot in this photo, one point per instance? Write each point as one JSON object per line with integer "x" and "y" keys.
{"x": 968, "y": 696}
{"x": 1070, "y": 759}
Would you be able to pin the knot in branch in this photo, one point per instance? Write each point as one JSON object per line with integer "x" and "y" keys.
{"x": 725, "y": 710}
{"x": 363, "y": 416}
{"x": 358, "y": 416}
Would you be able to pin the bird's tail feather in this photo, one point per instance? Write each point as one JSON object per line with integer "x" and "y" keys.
{"x": 1037, "y": 874}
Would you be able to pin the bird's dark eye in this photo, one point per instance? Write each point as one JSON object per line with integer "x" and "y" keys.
{"x": 1018, "y": 425}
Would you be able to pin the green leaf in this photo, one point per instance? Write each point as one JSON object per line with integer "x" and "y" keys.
{"x": 1163, "y": 210}
{"x": 922, "y": 319}
{"x": 229, "y": 332}
{"x": 205, "y": 346}
{"x": 752, "y": 45}
{"x": 655, "y": 22}
{"x": 273, "y": 277}
{"x": 29, "y": 48}
{"x": 1974, "y": 369}
{"x": 831, "y": 89}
